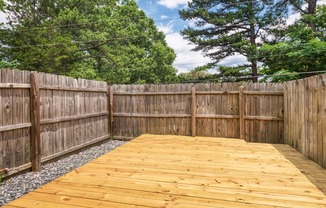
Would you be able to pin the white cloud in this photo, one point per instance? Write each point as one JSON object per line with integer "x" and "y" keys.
{"x": 164, "y": 17}
{"x": 166, "y": 29}
{"x": 293, "y": 18}
{"x": 234, "y": 60}
{"x": 186, "y": 59}
{"x": 2, "y": 17}
{"x": 172, "y": 4}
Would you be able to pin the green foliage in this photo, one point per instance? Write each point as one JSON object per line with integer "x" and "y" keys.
{"x": 225, "y": 28}
{"x": 281, "y": 76}
{"x": 2, "y": 5}
{"x": 226, "y": 74}
{"x": 9, "y": 65}
{"x": 107, "y": 40}
{"x": 195, "y": 76}
{"x": 235, "y": 73}
{"x": 303, "y": 49}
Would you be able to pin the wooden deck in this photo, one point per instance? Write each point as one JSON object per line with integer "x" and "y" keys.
{"x": 178, "y": 171}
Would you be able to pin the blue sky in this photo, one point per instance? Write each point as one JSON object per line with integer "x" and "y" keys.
{"x": 166, "y": 16}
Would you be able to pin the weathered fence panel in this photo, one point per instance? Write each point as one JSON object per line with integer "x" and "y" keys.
{"x": 73, "y": 113}
{"x": 76, "y": 113}
{"x": 305, "y": 117}
{"x": 264, "y": 112}
{"x": 15, "y": 118}
{"x": 218, "y": 109}
{"x": 168, "y": 109}
{"x": 68, "y": 114}
{"x": 159, "y": 109}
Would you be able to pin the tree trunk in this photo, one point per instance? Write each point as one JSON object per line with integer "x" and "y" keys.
{"x": 312, "y": 5}
{"x": 254, "y": 68}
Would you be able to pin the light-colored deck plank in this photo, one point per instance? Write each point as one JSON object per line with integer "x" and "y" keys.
{"x": 178, "y": 171}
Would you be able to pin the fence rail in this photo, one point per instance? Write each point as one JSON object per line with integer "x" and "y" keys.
{"x": 45, "y": 116}
{"x": 200, "y": 109}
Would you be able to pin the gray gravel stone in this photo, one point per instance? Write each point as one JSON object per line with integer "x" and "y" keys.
{"x": 24, "y": 183}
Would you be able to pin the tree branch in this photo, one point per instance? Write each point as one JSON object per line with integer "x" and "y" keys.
{"x": 298, "y": 7}
{"x": 75, "y": 4}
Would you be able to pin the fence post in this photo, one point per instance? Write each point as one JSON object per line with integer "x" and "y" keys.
{"x": 193, "y": 111}
{"x": 241, "y": 112}
{"x": 110, "y": 106}
{"x": 35, "y": 121}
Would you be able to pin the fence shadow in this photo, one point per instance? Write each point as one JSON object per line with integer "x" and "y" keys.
{"x": 315, "y": 173}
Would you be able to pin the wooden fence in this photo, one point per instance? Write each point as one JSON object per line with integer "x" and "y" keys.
{"x": 45, "y": 116}
{"x": 254, "y": 113}
{"x": 305, "y": 117}
{"x": 15, "y": 118}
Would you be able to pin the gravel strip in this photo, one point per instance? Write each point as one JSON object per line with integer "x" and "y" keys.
{"x": 24, "y": 183}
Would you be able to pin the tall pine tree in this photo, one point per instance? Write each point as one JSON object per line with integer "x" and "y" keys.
{"x": 225, "y": 28}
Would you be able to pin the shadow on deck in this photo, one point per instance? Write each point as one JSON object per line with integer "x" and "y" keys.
{"x": 315, "y": 173}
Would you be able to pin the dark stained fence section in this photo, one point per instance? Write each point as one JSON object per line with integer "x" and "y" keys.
{"x": 14, "y": 118}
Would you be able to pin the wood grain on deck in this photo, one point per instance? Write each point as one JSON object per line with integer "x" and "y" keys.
{"x": 179, "y": 171}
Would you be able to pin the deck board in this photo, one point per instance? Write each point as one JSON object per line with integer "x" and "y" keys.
{"x": 178, "y": 171}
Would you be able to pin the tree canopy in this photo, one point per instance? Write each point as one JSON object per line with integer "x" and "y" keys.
{"x": 225, "y": 28}
{"x": 111, "y": 40}
{"x": 257, "y": 30}
{"x": 301, "y": 51}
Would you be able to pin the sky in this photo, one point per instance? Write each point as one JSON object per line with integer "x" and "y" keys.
{"x": 166, "y": 16}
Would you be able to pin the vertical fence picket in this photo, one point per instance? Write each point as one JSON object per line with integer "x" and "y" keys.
{"x": 241, "y": 112}
{"x": 193, "y": 111}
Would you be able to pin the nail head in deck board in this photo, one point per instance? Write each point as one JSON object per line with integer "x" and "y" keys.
{"x": 35, "y": 129}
